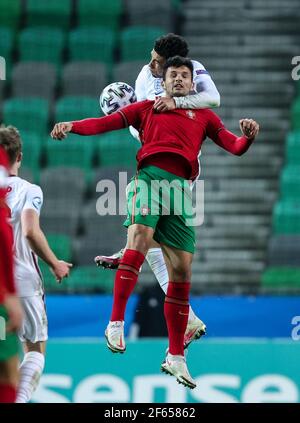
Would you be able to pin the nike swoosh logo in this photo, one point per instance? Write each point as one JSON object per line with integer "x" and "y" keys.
{"x": 183, "y": 314}
{"x": 124, "y": 277}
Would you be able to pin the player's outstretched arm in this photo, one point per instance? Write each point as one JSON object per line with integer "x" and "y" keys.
{"x": 92, "y": 126}
{"x": 60, "y": 130}
{"x": 231, "y": 142}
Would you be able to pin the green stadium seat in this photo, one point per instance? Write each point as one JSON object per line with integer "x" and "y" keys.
{"x": 76, "y": 151}
{"x": 296, "y": 114}
{"x": 41, "y": 45}
{"x": 118, "y": 148}
{"x": 137, "y": 42}
{"x": 76, "y": 108}
{"x": 6, "y": 46}
{"x": 91, "y": 279}
{"x": 62, "y": 247}
{"x": 286, "y": 217}
{"x": 100, "y": 13}
{"x": 10, "y": 13}
{"x": 281, "y": 277}
{"x": 27, "y": 114}
{"x": 54, "y": 13}
{"x": 32, "y": 149}
{"x": 290, "y": 182}
{"x": 92, "y": 45}
{"x": 177, "y": 4}
{"x": 293, "y": 148}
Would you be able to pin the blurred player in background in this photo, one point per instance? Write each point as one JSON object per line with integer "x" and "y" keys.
{"x": 10, "y": 308}
{"x": 25, "y": 201}
{"x": 171, "y": 143}
{"x": 204, "y": 95}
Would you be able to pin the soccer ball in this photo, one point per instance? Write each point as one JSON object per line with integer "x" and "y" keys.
{"x": 115, "y": 96}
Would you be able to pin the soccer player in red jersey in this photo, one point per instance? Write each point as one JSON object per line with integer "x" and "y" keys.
{"x": 171, "y": 142}
{"x": 25, "y": 202}
{"x": 10, "y": 308}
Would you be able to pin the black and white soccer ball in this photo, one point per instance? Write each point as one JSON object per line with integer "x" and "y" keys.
{"x": 115, "y": 96}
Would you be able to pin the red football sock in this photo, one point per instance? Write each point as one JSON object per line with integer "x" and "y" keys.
{"x": 8, "y": 393}
{"x": 125, "y": 282}
{"x": 176, "y": 315}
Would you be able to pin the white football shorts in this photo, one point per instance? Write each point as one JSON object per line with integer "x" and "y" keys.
{"x": 35, "y": 323}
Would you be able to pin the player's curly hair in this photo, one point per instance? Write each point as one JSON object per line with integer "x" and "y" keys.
{"x": 10, "y": 140}
{"x": 171, "y": 45}
{"x": 176, "y": 62}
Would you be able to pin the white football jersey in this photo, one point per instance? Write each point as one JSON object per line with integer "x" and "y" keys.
{"x": 21, "y": 196}
{"x": 147, "y": 87}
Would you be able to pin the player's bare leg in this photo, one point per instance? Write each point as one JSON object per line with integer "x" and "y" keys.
{"x": 31, "y": 369}
{"x": 155, "y": 258}
{"x": 9, "y": 379}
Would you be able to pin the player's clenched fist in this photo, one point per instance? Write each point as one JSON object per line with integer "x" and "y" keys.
{"x": 60, "y": 130}
{"x": 249, "y": 128}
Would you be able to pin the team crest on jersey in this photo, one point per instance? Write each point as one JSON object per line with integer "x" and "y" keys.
{"x": 145, "y": 211}
{"x": 157, "y": 86}
{"x": 37, "y": 202}
{"x": 191, "y": 114}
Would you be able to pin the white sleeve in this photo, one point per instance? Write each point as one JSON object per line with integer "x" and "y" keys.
{"x": 140, "y": 85}
{"x": 3, "y": 177}
{"x": 34, "y": 199}
{"x": 206, "y": 94}
{"x": 140, "y": 92}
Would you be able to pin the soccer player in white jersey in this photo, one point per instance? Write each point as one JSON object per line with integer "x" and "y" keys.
{"x": 25, "y": 201}
{"x": 148, "y": 87}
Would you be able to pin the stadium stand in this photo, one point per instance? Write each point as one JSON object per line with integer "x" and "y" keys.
{"x": 34, "y": 79}
{"x": 42, "y": 45}
{"x": 127, "y": 71}
{"x": 76, "y": 108}
{"x": 154, "y": 13}
{"x": 100, "y": 42}
{"x": 100, "y": 12}
{"x": 32, "y": 153}
{"x": 137, "y": 42}
{"x": 6, "y": 44}
{"x": 27, "y": 114}
{"x": 10, "y": 13}
{"x": 54, "y": 13}
{"x": 62, "y": 53}
{"x": 117, "y": 147}
{"x": 83, "y": 79}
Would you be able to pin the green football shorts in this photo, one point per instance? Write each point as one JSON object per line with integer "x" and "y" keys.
{"x": 163, "y": 201}
{"x": 9, "y": 347}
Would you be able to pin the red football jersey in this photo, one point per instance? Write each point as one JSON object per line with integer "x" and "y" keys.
{"x": 178, "y": 131}
{"x": 6, "y": 236}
